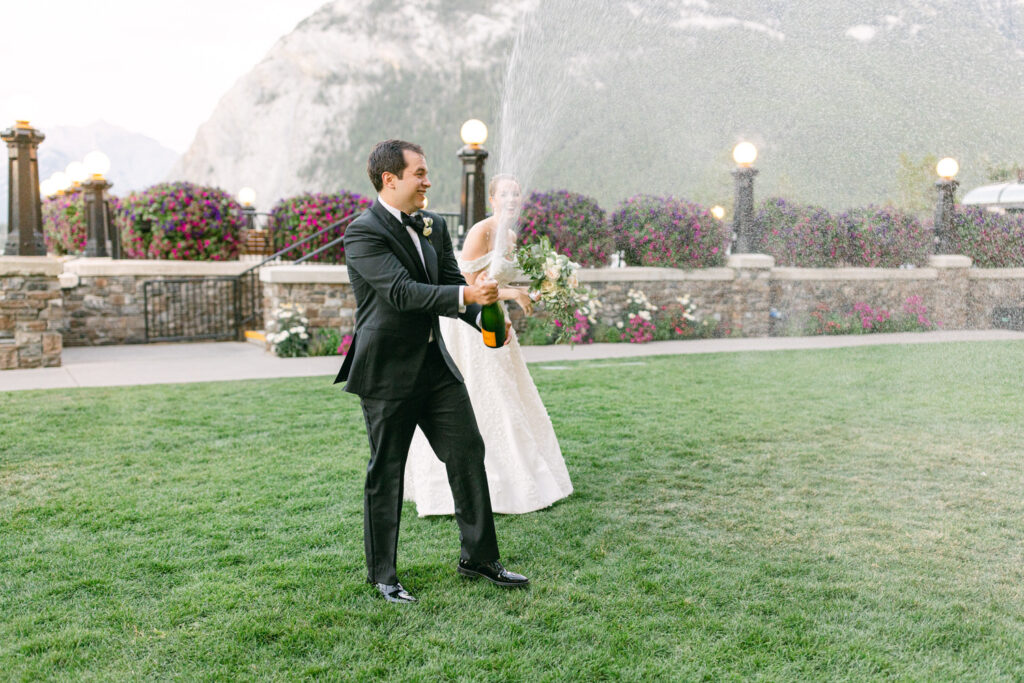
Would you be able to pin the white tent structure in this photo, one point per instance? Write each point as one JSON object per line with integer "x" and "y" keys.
{"x": 1001, "y": 197}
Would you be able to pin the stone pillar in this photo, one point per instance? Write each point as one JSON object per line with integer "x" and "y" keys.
{"x": 31, "y": 312}
{"x": 750, "y": 301}
{"x": 952, "y": 290}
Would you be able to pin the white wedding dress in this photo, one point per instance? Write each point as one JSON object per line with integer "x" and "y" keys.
{"x": 525, "y": 468}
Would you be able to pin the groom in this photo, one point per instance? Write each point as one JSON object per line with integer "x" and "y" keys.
{"x": 404, "y": 275}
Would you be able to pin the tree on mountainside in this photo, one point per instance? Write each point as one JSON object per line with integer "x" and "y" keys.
{"x": 915, "y": 180}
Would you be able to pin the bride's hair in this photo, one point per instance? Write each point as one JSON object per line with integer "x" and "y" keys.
{"x": 497, "y": 180}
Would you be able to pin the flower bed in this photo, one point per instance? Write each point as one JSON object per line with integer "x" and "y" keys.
{"x": 991, "y": 240}
{"x": 179, "y": 221}
{"x": 64, "y": 223}
{"x": 810, "y": 237}
{"x": 668, "y": 232}
{"x": 866, "y": 319}
{"x": 295, "y": 218}
{"x": 575, "y": 225}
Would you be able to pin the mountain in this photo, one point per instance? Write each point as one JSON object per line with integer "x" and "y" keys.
{"x": 136, "y": 161}
{"x": 642, "y": 96}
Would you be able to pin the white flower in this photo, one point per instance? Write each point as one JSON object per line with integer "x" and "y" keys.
{"x": 300, "y": 329}
{"x": 427, "y": 222}
{"x": 303, "y": 336}
{"x": 645, "y": 315}
{"x": 688, "y": 316}
{"x": 547, "y": 287}
{"x": 552, "y": 272}
{"x": 283, "y": 334}
{"x": 573, "y": 282}
{"x": 619, "y": 325}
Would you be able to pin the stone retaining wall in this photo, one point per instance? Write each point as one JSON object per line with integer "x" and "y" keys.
{"x": 31, "y": 314}
{"x": 750, "y": 297}
{"x": 103, "y": 298}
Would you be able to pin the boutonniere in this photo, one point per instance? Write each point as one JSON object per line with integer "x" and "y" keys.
{"x": 427, "y": 222}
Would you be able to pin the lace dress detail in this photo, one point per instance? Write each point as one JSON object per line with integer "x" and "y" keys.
{"x": 525, "y": 468}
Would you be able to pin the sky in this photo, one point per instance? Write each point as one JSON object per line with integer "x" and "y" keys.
{"x": 152, "y": 67}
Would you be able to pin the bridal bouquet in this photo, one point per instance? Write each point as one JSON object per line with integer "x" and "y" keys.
{"x": 553, "y": 279}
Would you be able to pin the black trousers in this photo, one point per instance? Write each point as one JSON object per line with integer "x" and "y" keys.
{"x": 444, "y": 413}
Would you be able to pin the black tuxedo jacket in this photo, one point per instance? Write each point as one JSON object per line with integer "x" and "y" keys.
{"x": 398, "y": 302}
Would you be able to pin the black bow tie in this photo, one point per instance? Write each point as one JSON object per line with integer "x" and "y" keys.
{"x": 415, "y": 222}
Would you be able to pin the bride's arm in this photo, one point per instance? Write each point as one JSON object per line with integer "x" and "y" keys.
{"x": 519, "y": 295}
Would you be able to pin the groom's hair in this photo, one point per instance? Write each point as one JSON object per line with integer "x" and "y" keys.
{"x": 388, "y": 156}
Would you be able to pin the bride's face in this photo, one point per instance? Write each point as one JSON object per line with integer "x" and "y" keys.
{"x": 506, "y": 198}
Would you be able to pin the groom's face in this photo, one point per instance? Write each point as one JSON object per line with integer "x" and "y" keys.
{"x": 410, "y": 191}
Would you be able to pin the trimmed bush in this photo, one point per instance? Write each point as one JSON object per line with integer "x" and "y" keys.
{"x": 574, "y": 224}
{"x": 992, "y": 240}
{"x": 799, "y": 235}
{"x": 667, "y": 232}
{"x": 811, "y": 237}
{"x": 883, "y": 237}
{"x": 65, "y": 228}
{"x": 295, "y": 218}
{"x": 179, "y": 221}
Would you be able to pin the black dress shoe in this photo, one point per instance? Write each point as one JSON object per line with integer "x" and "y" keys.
{"x": 395, "y": 593}
{"x": 493, "y": 572}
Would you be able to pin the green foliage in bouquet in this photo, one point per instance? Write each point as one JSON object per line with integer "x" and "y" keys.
{"x": 553, "y": 277}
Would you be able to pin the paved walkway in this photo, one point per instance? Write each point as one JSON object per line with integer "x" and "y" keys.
{"x": 99, "y": 366}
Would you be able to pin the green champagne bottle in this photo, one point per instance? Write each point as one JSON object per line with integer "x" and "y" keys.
{"x": 492, "y": 324}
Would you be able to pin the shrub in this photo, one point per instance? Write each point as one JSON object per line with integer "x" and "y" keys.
{"x": 799, "y": 235}
{"x": 679, "y": 320}
{"x": 883, "y": 237}
{"x": 574, "y": 223}
{"x": 64, "y": 223}
{"x": 668, "y": 232}
{"x": 991, "y": 240}
{"x": 289, "y": 335}
{"x": 295, "y": 218}
{"x": 179, "y": 221}
{"x": 865, "y": 319}
{"x": 811, "y": 237}
{"x": 537, "y": 331}
{"x": 325, "y": 342}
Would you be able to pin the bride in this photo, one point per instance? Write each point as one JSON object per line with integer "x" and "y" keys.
{"x": 525, "y": 468}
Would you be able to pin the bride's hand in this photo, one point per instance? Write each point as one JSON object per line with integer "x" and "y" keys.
{"x": 524, "y": 301}
{"x": 508, "y": 335}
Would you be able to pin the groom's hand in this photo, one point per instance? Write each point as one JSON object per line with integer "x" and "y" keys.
{"x": 484, "y": 291}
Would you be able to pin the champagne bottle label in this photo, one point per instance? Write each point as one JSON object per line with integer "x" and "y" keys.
{"x": 489, "y": 339}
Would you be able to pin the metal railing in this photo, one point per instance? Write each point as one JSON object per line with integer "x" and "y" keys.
{"x": 219, "y": 308}
{"x": 222, "y": 308}
{"x": 196, "y": 309}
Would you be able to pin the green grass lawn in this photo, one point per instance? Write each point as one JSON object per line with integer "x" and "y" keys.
{"x": 844, "y": 514}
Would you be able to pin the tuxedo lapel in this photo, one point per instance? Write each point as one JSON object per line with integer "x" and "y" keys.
{"x": 401, "y": 236}
{"x": 430, "y": 258}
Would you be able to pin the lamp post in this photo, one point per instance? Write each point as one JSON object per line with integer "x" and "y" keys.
{"x": 24, "y": 212}
{"x": 947, "y": 169}
{"x": 95, "y": 185}
{"x": 744, "y": 155}
{"x": 247, "y": 197}
{"x": 474, "y": 188}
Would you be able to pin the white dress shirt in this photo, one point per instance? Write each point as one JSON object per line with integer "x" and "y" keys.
{"x": 419, "y": 249}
